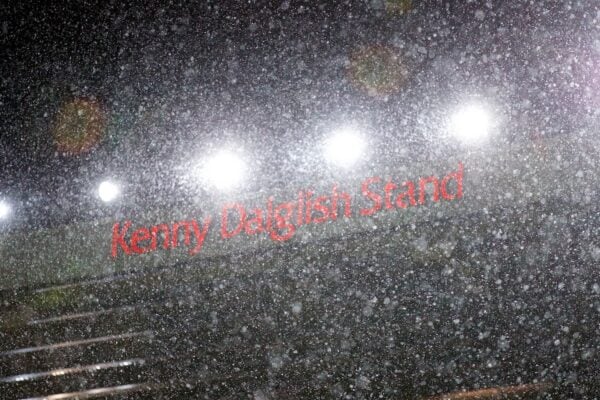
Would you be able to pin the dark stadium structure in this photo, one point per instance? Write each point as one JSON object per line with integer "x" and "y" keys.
{"x": 358, "y": 318}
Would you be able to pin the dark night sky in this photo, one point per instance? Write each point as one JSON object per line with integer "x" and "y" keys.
{"x": 173, "y": 78}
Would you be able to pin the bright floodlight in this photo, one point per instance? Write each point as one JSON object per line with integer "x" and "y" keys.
{"x": 344, "y": 148}
{"x": 5, "y": 209}
{"x": 225, "y": 170}
{"x": 108, "y": 191}
{"x": 471, "y": 124}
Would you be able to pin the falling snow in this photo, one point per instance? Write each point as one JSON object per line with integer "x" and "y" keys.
{"x": 300, "y": 200}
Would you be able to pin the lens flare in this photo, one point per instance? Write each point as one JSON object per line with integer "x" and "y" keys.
{"x": 378, "y": 70}
{"x": 398, "y": 7}
{"x": 79, "y": 126}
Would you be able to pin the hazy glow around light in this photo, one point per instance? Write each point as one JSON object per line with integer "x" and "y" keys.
{"x": 5, "y": 209}
{"x": 345, "y": 147}
{"x": 225, "y": 170}
{"x": 108, "y": 191}
{"x": 471, "y": 124}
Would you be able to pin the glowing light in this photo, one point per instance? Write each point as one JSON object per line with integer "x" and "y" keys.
{"x": 471, "y": 124}
{"x": 108, "y": 191}
{"x": 345, "y": 147}
{"x": 225, "y": 170}
{"x": 5, "y": 209}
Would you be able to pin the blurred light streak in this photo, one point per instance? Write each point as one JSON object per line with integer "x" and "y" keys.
{"x": 72, "y": 370}
{"x": 85, "y": 394}
{"x": 75, "y": 343}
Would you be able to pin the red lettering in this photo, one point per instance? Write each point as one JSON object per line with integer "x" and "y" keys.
{"x": 200, "y": 234}
{"x": 410, "y": 193}
{"x": 187, "y": 231}
{"x": 270, "y": 214}
{"x": 283, "y": 222}
{"x": 374, "y": 197}
{"x": 321, "y": 208}
{"x": 300, "y": 211}
{"x": 436, "y": 188}
{"x": 458, "y": 176}
{"x": 334, "y": 203}
{"x": 154, "y": 232}
{"x": 138, "y": 236}
{"x": 225, "y": 234}
{"x": 389, "y": 187}
{"x": 257, "y": 220}
{"x": 118, "y": 239}
{"x": 308, "y": 218}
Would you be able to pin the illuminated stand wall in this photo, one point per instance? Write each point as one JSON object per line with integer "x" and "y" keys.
{"x": 493, "y": 175}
